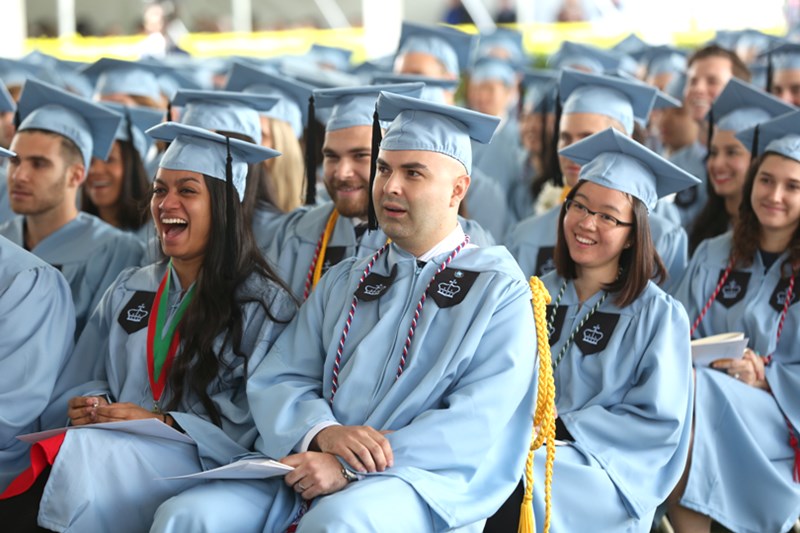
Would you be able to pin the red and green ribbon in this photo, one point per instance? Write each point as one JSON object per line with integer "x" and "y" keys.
{"x": 161, "y": 345}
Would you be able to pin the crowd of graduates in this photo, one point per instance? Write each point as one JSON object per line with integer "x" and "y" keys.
{"x": 227, "y": 246}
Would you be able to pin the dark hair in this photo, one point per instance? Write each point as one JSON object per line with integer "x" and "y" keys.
{"x": 68, "y": 150}
{"x": 132, "y": 202}
{"x": 638, "y": 263}
{"x": 738, "y": 67}
{"x": 747, "y": 231}
{"x": 216, "y": 308}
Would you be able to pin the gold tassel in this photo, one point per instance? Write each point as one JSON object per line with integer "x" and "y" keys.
{"x": 544, "y": 421}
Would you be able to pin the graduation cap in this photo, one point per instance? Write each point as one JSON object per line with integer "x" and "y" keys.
{"x": 434, "y": 88}
{"x": 367, "y": 70}
{"x": 741, "y": 105}
{"x": 293, "y": 95}
{"x": 632, "y": 45}
{"x": 612, "y": 159}
{"x": 224, "y": 111}
{"x": 620, "y": 99}
{"x": 114, "y": 76}
{"x": 427, "y": 126}
{"x": 584, "y": 57}
{"x": 135, "y": 122}
{"x": 453, "y": 48}
{"x": 675, "y": 87}
{"x": 505, "y": 39}
{"x": 540, "y": 87}
{"x": 355, "y": 106}
{"x": 7, "y": 103}
{"x": 493, "y": 69}
{"x": 14, "y": 72}
{"x": 785, "y": 56}
{"x": 780, "y": 135}
{"x": 301, "y": 69}
{"x": 199, "y": 150}
{"x": 332, "y": 56}
{"x": 664, "y": 60}
{"x": 6, "y": 153}
{"x": 218, "y": 156}
{"x": 89, "y": 125}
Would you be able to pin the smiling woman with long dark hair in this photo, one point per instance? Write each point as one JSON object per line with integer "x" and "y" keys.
{"x": 174, "y": 341}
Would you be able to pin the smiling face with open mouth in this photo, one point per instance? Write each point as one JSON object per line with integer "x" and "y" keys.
{"x": 593, "y": 245}
{"x": 181, "y": 209}
{"x": 346, "y": 161}
{"x": 104, "y": 181}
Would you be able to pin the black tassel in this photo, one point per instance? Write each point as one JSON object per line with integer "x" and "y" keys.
{"x": 754, "y": 144}
{"x": 136, "y": 188}
{"x": 558, "y": 177}
{"x": 708, "y": 143}
{"x": 311, "y": 155}
{"x": 372, "y": 218}
{"x": 770, "y": 68}
{"x": 17, "y": 120}
{"x": 230, "y": 227}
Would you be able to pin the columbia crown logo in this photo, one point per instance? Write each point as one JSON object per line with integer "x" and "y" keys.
{"x": 449, "y": 289}
{"x": 732, "y": 289}
{"x": 548, "y": 266}
{"x": 138, "y": 314}
{"x": 593, "y": 335}
{"x": 781, "y": 297}
{"x": 374, "y": 290}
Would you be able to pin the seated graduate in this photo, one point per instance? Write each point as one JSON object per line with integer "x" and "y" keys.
{"x": 117, "y": 188}
{"x": 54, "y": 143}
{"x": 37, "y": 324}
{"x": 593, "y": 103}
{"x": 738, "y": 107}
{"x": 175, "y": 341}
{"x": 417, "y": 411}
{"x": 308, "y": 242}
{"x": 748, "y": 411}
{"x": 621, "y": 361}
{"x": 7, "y": 109}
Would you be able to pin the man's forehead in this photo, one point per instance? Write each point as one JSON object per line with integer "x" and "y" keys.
{"x": 426, "y": 158}
{"x": 348, "y": 139}
{"x": 32, "y": 142}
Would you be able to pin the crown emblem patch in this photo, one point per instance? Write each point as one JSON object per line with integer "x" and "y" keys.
{"x": 735, "y": 288}
{"x": 596, "y": 333}
{"x": 544, "y": 260}
{"x": 778, "y": 298}
{"x": 375, "y": 286}
{"x": 593, "y": 336}
{"x": 134, "y": 315}
{"x": 138, "y": 314}
{"x": 451, "y": 286}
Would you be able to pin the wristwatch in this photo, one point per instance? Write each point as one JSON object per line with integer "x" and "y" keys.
{"x": 349, "y": 475}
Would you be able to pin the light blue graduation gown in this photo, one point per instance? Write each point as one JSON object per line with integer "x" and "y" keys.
{"x": 532, "y": 242}
{"x": 111, "y": 358}
{"x": 486, "y": 204}
{"x": 498, "y": 159}
{"x": 297, "y": 234}
{"x": 458, "y": 442}
{"x": 624, "y": 393}
{"x": 88, "y": 252}
{"x": 690, "y": 201}
{"x": 37, "y": 324}
{"x": 266, "y": 218}
{"x": 5, "y": 207}
{"x": 741, "y": 439}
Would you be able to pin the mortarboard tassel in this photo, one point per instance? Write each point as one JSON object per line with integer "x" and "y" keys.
{"x": 555, "y": 168}
{"x": 372, "y": 218}
{"x": 770, "y": 68}
{"x": 311, "y": 155}
{"x": 230, "y": 227}
{"x": 754, "y": 144}
{"x": 135, "y": 186}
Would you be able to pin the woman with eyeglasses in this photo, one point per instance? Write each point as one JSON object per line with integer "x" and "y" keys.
{"x": 744, "y": 464}
{"x": 619, "y": 345}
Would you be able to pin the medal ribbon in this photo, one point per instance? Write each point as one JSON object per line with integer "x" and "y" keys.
{"x": 161, "y": 347}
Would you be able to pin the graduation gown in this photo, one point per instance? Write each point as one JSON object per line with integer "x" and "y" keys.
{"x": 741, "y": 438}
{"x": 292, "y": 248}
{"x": 265, "y": 219}
{"x": 624, "y": 394}
{"x": 532, "y": 242}
{"x": 5, "y": 207}
{"x": 459, "y": 445}
{"x": 486, "y": 205}
{"x": 110, "y": 358}
{"x": 690, "y": 201}
{"x": 499, "y": 159}
{"x": 37, "y": 324}
{"x": 88, "y": 252}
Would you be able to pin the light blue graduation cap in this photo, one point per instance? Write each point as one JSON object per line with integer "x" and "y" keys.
{"x": 662, "y": 101}
{"x": 331, "y": 56}
{"x": 114, "y": 76}
{"x": 741, "y": 105}
{"x": 14, "y": 72}
{"x": 301, "y": 69}
{"x": 584, "y": 57}
{"x": 780, "y": 135}
{"x": 453, "y": 48}
{"x": 611, "y": 159}
{"x": 540, "y": 88}
{"x": 292, "y": 106}
{"x": 632, "y": 45}
{"x": 205, "y": 152}
{"x": 505, "y": 39}
{"x": 676, "y": 86}
{"x": 62, "y": 74}
{"x": 225, "y": 111}
{"x": 135, "y": 122}
{"x": 6, "y": 153}
{"x": 367, "y": 70}
{"x": 355, "y": 106}
{"x": 664, "y": 60}
{"x": 493, "y": 69}
{"x": 420, "y": 125}
{"x": 785, "y": 56}
{"x": 434, "y": 88}
{"x": 87, "y": 124}
{"x": 7, "y": 103}
{"x": 622, "y": 100}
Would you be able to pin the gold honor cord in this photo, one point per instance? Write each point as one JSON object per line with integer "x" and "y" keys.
{"x": 324, "y": 248}
{"x": 544, "y": 416}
